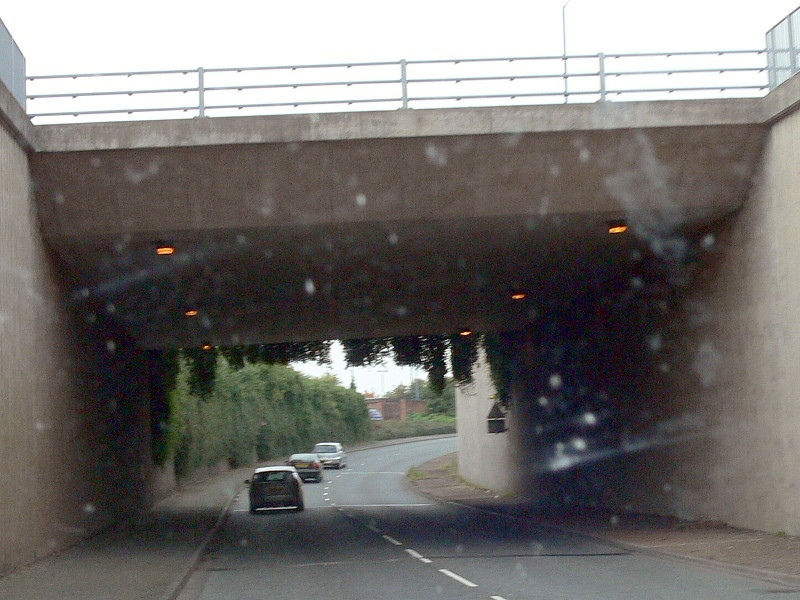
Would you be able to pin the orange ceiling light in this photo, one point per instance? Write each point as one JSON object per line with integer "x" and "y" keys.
{"x": 165, "y": 249}
{"x": 192, "y": 312}
{"x": 518, "y": 295}
{"x": 615, "y": 227}
{"x": 465, "y": 332}
{"x": 207, "y": 346}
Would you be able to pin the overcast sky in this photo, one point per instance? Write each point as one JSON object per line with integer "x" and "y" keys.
{"x": 84, "y": 36}
{"x": 90, "y": 36}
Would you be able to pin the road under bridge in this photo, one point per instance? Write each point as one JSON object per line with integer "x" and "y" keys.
{"x": 667, "y": 350}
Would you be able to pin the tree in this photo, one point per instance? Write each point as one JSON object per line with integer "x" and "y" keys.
{"x": 444, "y": 403}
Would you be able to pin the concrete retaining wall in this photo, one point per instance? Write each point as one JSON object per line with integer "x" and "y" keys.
{"x": 722, "y": 401}
{"x": 751, "y": 296}
{"x": 732, "y": 386}
{"x": 74, "y": 430}
{"x": 484, "y": 459}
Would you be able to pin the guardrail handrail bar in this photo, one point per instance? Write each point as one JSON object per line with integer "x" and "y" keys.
{"x": 405, "y": 83}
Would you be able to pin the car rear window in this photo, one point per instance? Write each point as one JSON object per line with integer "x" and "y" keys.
{"x": 324, "y": 448}
{"x": 271, "y": 476}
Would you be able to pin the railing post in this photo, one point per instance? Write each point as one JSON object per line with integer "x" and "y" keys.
{"x": 792, "y": 47}
{"x": 404, "y": 82}
{"x": 201, "y": 91}
{"x": 602, "y": 70}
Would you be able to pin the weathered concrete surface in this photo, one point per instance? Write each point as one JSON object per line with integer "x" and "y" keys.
{"x": 398, "y": 124}
{"x": 483, "y": 457}
{"x": 74, "y": 424}
{"x": 330, "y": 221}
{"x": 710, "y": 433}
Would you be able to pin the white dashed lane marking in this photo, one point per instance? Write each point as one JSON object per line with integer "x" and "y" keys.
{"x": 391, "y": 540}
{"x": 419, "y": 556}
{"x": 458, "y": 578}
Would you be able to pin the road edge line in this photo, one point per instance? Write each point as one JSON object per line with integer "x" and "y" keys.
{"x": 180, "y": 584}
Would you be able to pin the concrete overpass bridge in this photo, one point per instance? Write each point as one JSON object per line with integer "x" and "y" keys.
{"x": 310, "y": 227}
{"x": 330, "y": 226}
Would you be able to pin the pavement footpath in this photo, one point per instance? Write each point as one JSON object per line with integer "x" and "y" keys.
{"x": 153, "y": 556}
{"x": 766, "y": 556}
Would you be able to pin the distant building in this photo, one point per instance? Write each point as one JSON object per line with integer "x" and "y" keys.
{"x": 397, "y": 408}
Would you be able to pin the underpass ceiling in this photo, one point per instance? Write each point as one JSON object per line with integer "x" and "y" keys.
{"x": 361, "y": 238}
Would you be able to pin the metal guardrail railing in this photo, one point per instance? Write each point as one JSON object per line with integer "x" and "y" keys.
{"x": 12, "y": 65}
{"x": 783, "y": 49}
{"x": 395, "y": 84}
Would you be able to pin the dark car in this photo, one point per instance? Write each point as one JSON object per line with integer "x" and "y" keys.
{"x": 331, "y": 454}
{"x": 276, "y": 487}
{"x": 308, "y": 466}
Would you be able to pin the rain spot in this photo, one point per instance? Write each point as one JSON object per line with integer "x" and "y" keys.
{"x": 95, "y": 161}
{"x": 401, "y": 311}
{"x": 579, "y": 444}
{"x": 707, "y": 363}
{"x": 543, "y": 401}
{"x": 311, "y": 288}
{"x": 537, "y": 548}
{"x": 361, "y": 200}
{"x": 136, "y": 176}
{"x": 709, "y": 240}
{"x": 241, "y": 240}
{"x": 435, "y": 155}
{"x": 89, "y": 508}
{"x": 122, "y": 244}
{"x": 393, "y": 239}
{"x": 555, "y": 170}
{"x": 584, "y": 155}
{"x": 655, "y": 342}
{"x": 589, "y": 418}
{"x": 111, "y": 308}
{"x": 267, "y": 206}
{"x": 544, "y": 205}
{"x": 59, "y": 198}
{"x": 111, "y": 345}
{"x": 556, "y": 381}
{"x": 521, "y": 571}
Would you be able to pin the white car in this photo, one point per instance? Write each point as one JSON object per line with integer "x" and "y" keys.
{"x": 331, "y": 454}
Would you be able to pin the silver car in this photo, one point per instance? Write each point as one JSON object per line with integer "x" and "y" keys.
{"x": 331, "y": 454}
{"x": 308, "y": 466}
{"x": 275, "y": 487}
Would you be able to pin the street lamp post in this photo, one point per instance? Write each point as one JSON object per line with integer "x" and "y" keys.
{"x": 383, "y": 372}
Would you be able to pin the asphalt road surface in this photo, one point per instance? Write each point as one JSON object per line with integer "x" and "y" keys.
{"x": 364, "y": 535}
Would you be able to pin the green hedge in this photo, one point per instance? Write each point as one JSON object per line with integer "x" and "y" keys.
{"x": 412, "y": 427}
{"x": 259, "y": 412}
